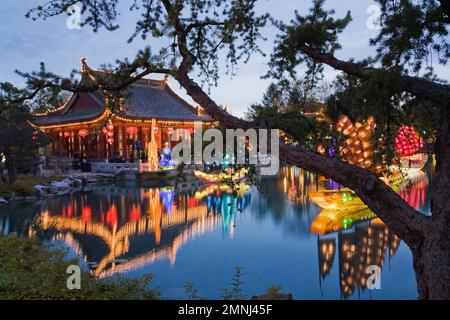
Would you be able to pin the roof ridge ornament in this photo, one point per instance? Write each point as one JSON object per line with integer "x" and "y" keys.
{"x": 84, "y": 65}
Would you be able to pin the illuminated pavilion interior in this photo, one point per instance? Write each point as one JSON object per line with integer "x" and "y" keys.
{"x": 84, "y": 125}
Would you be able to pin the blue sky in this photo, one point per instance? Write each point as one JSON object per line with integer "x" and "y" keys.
{"x": 24, "y": 43}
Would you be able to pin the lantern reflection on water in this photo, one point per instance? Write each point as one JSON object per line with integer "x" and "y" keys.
{"x": 344, "y": 199}
{"x": 167, "y": 197}
{"x": 342, "y": 208}
{"x": 225, "y": 175}
{"x": 334, "y": 220}
{"x": 154, "y": 212}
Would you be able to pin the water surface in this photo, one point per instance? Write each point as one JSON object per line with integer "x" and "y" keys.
{"x": 203, "y": 233}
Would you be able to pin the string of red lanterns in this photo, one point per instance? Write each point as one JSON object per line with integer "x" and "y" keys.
{"x": 108, "y": 130}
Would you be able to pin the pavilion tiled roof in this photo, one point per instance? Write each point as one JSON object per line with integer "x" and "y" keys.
{"x": 144, "y": 99}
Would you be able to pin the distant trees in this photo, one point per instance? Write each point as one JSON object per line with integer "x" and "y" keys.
{"x": 19, "y": 141}
{"x": 293, "y": 107}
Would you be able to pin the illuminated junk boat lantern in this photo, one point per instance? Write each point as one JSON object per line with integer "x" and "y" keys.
{"x": 408, "y": 144}
{"x": 342, "y": 207}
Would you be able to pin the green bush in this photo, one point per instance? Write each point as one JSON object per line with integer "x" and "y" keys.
{"x": 31, "y": 270}
{"x": 23, "y": 188}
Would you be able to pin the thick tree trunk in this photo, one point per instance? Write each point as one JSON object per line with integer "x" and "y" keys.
{"x": 431, "y": 261}
{"x": 432, "y": 255}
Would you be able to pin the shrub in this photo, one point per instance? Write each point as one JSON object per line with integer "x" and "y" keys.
{"x": 30, "y": 269}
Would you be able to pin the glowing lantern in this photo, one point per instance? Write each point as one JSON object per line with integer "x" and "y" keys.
{"x": 61, "y": 134}
{"x": 321, "y": 149}
{"x": 110, "y": 140}
{"x": 407, "y": 141}
{"x": 132, "y": 130}
{"x": 110, "y": 127}
{"x": 110, "y": 134}
{"x": 66, "y": 134}
{"x": 357, "y": 148}
{"x": 83, "y": 133}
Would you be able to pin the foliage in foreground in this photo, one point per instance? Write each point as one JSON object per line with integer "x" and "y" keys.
{"x": 30, "y": 269}
{"x": 234, "y": 291}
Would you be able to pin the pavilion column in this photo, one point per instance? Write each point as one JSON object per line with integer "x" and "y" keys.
{"x": 124, "y": 141}
{"x": 71, "y": 144}
{"x": 76, "y": 144}
{"x": 52, "y": 135}
{"x": 101, "y": 144}
{"x": 59, "y": 143}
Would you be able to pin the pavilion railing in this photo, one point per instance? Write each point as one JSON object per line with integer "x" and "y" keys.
{"x": 109, "y": 167}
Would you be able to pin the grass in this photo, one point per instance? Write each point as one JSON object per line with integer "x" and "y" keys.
{"x": 23, "y": 186}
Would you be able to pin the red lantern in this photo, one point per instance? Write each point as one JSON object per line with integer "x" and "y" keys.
{"x": 61, "y": 134}
{"x": 110, "y": 127}
{"x": 83, "y": 133}
{"x": 110, "y": 134}
{"x": 131, "y": 130}
{"x": 110, "y": 140}
{"x": 66, "y": 134}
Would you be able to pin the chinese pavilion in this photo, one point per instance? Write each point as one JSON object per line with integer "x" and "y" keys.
{"x": 149, "y": 112}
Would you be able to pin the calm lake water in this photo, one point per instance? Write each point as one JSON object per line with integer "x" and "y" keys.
{"x": 202, "y": 235}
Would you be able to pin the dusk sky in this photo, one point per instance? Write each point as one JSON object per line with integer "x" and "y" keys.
{"x": 24, "y": 43}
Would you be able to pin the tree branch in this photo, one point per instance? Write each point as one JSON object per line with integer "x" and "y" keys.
{"x": 406, "y": 222}
{"x": 420, "y": 87}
